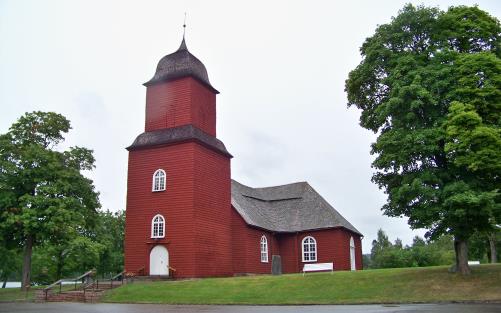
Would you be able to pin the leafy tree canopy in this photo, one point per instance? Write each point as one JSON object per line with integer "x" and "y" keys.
{"x": 44, "y": 197}
{"x": 429, "y": 85}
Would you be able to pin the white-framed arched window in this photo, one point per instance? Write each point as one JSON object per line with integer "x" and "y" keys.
{"x": 158, "y": 226}
{"x": 264, "y": 249}
{"x": 158, "y": 180}
{"x": 352, "y": 255}
{"x": 309, "y": 245}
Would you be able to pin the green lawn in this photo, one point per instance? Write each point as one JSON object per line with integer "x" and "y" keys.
{"x": 15, "y": 294}
{"x": 433, "y": 284}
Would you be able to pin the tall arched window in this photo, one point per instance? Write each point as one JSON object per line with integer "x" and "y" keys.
{"x": 264, "y": 249}
{"x": 158, "y": 226}
{"x": 158, "y": 180}
{"x": 309, "y": 245}
{"x": 352, "y": 255}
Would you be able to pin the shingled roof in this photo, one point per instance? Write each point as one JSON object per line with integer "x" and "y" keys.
{"x": 289, "y": 208}
{"x": 167, "y": 136}
{"x": 181, "y": 64}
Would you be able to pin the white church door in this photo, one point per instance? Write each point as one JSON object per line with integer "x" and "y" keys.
{"x": 352, "y": 254}
{"x": 159, "y": 261}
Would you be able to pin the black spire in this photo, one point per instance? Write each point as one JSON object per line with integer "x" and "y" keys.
{"x": 183, "y": 43}
{"x": 183, "y": 46}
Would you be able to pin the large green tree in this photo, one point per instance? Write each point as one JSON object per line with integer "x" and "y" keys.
{"x": 44, "y": 197}
{"x": 98, "y": 247}
{"x": 110, "y": 233}
{"x": 429, "y": 85}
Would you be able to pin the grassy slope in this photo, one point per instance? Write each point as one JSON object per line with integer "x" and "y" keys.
{"x": 431, "y": 284}
{"x": 15, "y": 294}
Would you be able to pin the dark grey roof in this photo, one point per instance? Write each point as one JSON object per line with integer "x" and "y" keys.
{"x": 180, "y": 64}
{"x": 288, "y": 208}
{"x": 168, "y": 136}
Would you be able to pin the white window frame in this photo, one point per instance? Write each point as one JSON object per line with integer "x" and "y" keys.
{"x": 155, "y": 227}
{"x": 311, "y": 253}
{"x": 162, "y": 177}
{"x": 263, "y": 244}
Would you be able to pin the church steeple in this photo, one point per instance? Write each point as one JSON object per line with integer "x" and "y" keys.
{"x": 179, "y": 140}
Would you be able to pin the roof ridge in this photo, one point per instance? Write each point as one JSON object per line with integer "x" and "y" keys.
{"x": 271, "y": 200}
{"x": 276, "y": 186}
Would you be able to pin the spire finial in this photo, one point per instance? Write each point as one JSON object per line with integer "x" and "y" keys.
{"x": 184, "y": 25}
{"x": 183, "y": 43}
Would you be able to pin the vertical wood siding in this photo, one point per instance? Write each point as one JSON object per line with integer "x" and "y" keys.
{"x": 180, "y": 102}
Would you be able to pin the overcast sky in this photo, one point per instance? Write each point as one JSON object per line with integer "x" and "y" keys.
{"x": 280, "y": 67}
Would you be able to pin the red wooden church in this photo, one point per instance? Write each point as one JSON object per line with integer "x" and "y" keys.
{"x": 186, "y": 217}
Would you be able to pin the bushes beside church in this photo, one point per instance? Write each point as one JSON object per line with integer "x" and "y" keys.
{"x": 385, "y": 254}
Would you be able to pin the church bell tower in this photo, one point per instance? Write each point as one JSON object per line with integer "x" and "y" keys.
{"x": 178, "y": 186}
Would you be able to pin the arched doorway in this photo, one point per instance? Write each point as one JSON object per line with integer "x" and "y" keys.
{"x": 352, "y": 254}
{"x": 159, "y": 261}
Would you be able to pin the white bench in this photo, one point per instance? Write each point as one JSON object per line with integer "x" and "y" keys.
{"x": 473, "y": 262}
{"x": 316, "y": 267}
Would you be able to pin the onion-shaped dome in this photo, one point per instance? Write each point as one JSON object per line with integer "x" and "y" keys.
{"x": 181, "y": 64}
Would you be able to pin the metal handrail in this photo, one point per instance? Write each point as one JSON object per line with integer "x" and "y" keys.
{"x": 53, "y": 284}
{"x": 59, "y": 282}
{"x": 84, "y": 275}
{"x": 121, "y": 274}
{"x": 141, "y": 270}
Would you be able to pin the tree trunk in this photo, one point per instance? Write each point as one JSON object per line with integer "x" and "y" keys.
{"x": 59, "y": 266}
{"x": 461, "y": 248}
{"x": 492, "y": 244}
{"x": 4, "y": 284}
{"x": 28, "y": 249}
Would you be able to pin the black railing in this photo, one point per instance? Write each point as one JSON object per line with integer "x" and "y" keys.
{"x": 83, "y": 277}
{"x": 87, "y": 283}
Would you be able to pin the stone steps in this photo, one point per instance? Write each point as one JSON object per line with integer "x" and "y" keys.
{"x": 93, "y": 293}
{"x": 150, "y": 278}
{"x": 71, "y": 296}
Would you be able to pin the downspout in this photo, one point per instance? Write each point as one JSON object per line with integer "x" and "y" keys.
{"x": 297, "y": 253}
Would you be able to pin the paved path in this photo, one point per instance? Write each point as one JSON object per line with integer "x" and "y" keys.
{"x": 159, "y": 308}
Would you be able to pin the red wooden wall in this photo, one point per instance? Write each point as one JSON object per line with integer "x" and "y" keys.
{"x": 180, "y": 102}
{"x": 212, "y": 213}
{"x": 176, "y": 204}
{"x": 247, "y": 247}
{"x": 333, "y": 245}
